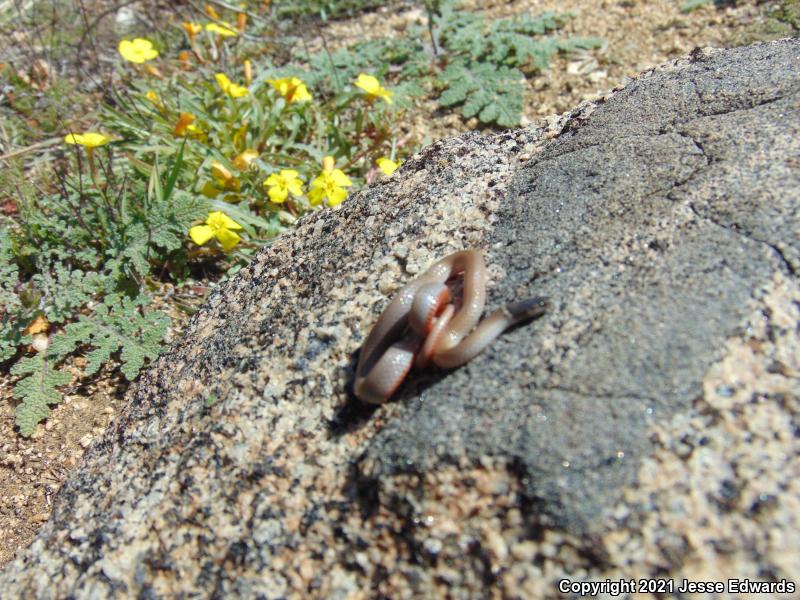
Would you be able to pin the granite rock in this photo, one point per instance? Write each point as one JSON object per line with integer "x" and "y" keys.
{"x": 647, "y": 425}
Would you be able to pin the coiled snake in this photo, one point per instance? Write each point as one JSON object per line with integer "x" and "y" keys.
{"x": 423, "y": 323}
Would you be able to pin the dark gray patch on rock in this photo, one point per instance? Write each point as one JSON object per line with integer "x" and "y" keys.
{"x": 648, "y": 224}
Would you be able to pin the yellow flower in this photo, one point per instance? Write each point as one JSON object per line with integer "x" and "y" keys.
{"x": 192, "y": 29}
{"x": 291, "y": 88}
{"x": 223, "y": 29}
{"x": 245, "y": 159}
{"x": 89, "y": 139}
{"x": 138, "y": 50}
{"x": 387, "y": 165}
{"x": 218, "y": 225}
{"x": 329, "y": 184}
{"x": 280, "y": 184}
{"x": 230, "y": 88}
{"x": 373, "y": 88}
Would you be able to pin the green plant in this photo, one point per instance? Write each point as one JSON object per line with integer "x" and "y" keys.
{"x": 195, "y": 159}
{"x": 114, "y": 325}
{"x": 37, "y": 388}
{"x": 118, "y": 325}
{"x": 478, "y": 63}
{"x": 214, "y": 152}
{"x": 487, "y": 59}
{"x": 73, "y": 273}
{"x": 491, "y": 93}
{"x": 11, "y": 323}
{"x": 239, "y": 133}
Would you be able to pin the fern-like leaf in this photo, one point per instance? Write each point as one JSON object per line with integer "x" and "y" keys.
{"x": 493, "y": 94}
{"x": 170, "y": 220}
{"x": 64, "y": 291}
{"x": 9, "y": 276}
{"x": 10, "y": 336}
{"x": 512, "y": 42}
{"x": 515, "y": 49}
{"x": 10, "y": 305}
{"x": 142, "y": 238}
{"x": 462, "y": 32}
{"x": 37, "y": 389}
{"x": 117, "y": 325}
{"x": 535, "y": 24}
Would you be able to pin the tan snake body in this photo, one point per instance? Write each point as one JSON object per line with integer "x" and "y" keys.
{"x": 422, "y": 325}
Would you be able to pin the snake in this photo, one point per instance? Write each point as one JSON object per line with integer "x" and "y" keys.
{"x": 429, "y": 321}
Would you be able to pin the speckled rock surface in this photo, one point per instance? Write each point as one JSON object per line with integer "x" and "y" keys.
{"x": 647, "y": 425}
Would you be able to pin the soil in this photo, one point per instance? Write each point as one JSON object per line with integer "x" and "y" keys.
{"x": 640, "y": 34}
{"x": 33, "y": 469}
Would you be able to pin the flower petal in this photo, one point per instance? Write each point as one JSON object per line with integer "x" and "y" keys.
{"x": 280, "y": 85}
{"x": 93, "y": 140}
{"x": 368, "y": 83}
{"x": 219, "y": 171}
{"x": 214, "y": 220}
{"x": 295, "y": 186}
{"x": 301, "y": 94}
{"x": 200, "y": 234}
{"x": 192, "y": 29}
{"x": 127, "y": 51}
{"x": 149, "y": 54}
{"x": 227, "y": 222}
{"x": 245, "y": 158}
{"x": 237, "y": 91}
{"x": 278, "y": 194}
{"x": 223, "y": 81}
{"x": 316, "y": 195}
{"x": 228, "y": 238}
{"x": 336, "y": 196}
{"x": 320, "y": 181}
{"x": 89, "y": 139}
{"x": 138, "y": 50}
{"x": 224, "y": 29}
{"x": 340, "y": 179}
{"x": 387, "y": 165}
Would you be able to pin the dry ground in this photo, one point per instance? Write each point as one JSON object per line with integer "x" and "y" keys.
{"x": 640, "y": 34}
